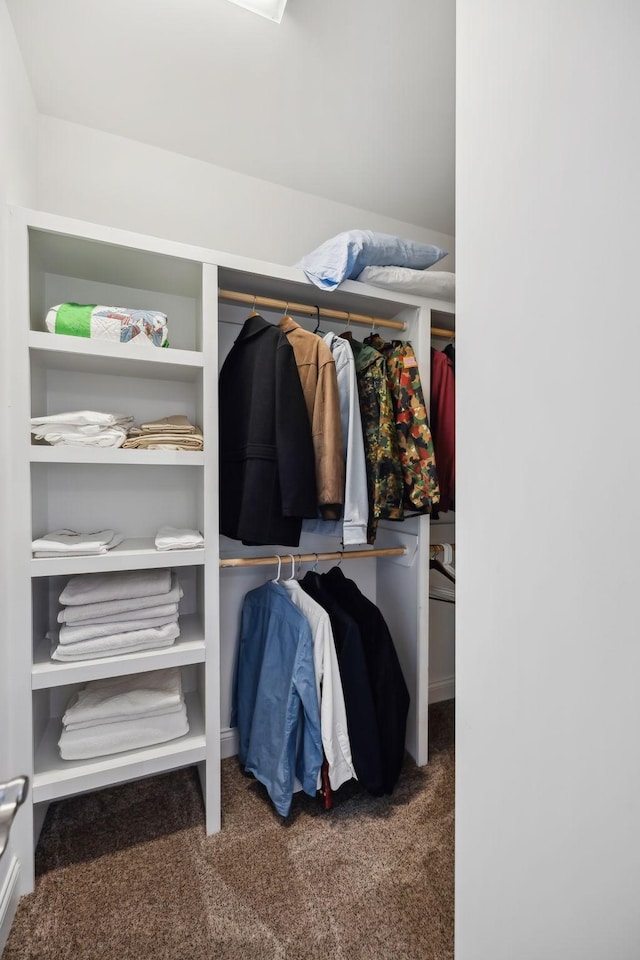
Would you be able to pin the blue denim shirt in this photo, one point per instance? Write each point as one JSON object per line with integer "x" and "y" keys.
{"x": 276, "y": 704}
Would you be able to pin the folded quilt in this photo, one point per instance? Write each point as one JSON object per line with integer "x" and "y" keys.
{"x": 136, "y": 439}
{"x": 70, "y": 543}
{"x": 120, "y": 643}
{"x": 114, "y": 324}
{"x": 175, "y": 538}
{"x": 164, "y": 611}
{"x": 128, "y": 696}
{"x": 127, "y": 735}
{"x": 177, "y": 423}
{"x": 87, "y": 588}
{"x": 83, "y": 631}
{"x": 112, "y": 608}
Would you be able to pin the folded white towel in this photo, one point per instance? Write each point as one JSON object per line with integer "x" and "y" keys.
{"x": 111, "y": 738}
{"x": 117, "y": 585}
{"x": 126, "y": 696}
{"x": 90, "y": 649}
{"x": 87, "y": 724}
{"x": 117, "y": 643}
{"x": 85, "y": 418}
{"x": 166, "y": 611}
{"x": 109, "y": 608}
{"x": 68, "y": 543}
{"x": 176, "y": 538}
{"x": 84, "y": 631}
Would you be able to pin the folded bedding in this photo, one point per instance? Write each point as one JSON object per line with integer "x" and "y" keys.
{"x": 100, "y": 609}
{"x": 91, "y": 588}
{"x": 157, "y": 712}
{"x": 128, "y": 696}
{"x": 113, "y": 324}
{"x": 76, "y": 632}
{"x": 436, "y": 284}
{"x": 70, "y": 543}
{"x": 130, "y": 734}
{"x": 137, "y": 439}
{"x": 176, "y": 538}
{"x": 121, "y": 643}
{"x": 165, "y": 611}
{"x": 176, "y": 423}
{"x": 82, "y": 428}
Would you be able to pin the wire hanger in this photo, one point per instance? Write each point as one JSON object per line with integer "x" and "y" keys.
{"x": 347, "y": 333}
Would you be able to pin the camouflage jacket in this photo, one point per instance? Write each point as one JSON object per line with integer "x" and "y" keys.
{"x": 415, "y": 443}
{"x": 384, "y": 473}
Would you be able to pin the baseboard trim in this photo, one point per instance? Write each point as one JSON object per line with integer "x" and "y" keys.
{"x": 8, "y": 901}
{"x": 442, "y": 690}
{"x": 228, "y": 742}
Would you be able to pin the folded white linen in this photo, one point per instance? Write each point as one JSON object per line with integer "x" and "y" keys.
{"x": 83, "y": 631}
{"x": 85, "y": 418}
{"x": 129, "y": 734}
{"x": 72, "y": 437}
{"x": 126, "y": 696}
{"x": 177, "y": 538}
{"x": 87, "y": 588}
{"x": 64, "y": 540}
{"x": 87, "y": 724}
{"x": 82, "y": 548}
{"x": 165, "y": 610}
{"x": 120, "y": 643}
{"x": 110, "y": 608}
{"x": 70, "y": 652}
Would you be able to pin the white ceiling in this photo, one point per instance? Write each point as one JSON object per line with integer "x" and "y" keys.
{"x": 352, "y": 100}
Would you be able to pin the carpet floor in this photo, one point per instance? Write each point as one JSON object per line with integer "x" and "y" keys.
{"x": 128, "y": 872}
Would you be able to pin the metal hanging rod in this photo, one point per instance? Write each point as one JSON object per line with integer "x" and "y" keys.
{"x": 308, "y": 557}
{"x": 248, "y": 298}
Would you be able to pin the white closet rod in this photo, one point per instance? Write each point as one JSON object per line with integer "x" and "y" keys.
{"x": 234, "y": 296}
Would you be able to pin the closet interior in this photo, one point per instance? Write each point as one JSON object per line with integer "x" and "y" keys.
{"x": 136, "y": 491}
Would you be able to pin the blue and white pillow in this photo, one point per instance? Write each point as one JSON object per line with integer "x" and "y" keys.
{"x": 345, "y": 256}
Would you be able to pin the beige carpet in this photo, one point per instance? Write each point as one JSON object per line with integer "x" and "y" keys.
{"x": 128, "y": 872}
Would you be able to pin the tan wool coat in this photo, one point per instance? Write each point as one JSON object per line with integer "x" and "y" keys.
{"x": 317, "y": 371}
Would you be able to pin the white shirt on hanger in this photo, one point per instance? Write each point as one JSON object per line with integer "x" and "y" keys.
{"x": 333, "y": 714}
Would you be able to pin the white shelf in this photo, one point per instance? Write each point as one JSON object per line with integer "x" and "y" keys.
{"x": 134, "y": 554}
{"x": 188, "y": 648}
{"x": 81, "y": 355}
{"x": 40, "y": 453}
{"x": 55, "y": 778}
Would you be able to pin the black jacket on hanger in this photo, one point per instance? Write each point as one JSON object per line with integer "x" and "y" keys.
{"x": 267, "y": 462}
{"x": 390, "y": 693}
{"x": 358, "y": 700}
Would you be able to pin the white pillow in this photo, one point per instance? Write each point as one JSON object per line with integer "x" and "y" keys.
{"x": 436, "y": 284}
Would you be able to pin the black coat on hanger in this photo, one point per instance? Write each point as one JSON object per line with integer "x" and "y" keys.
{"x": 358, "y": 700}
{"x": 267, "y": 461}
{"x": 390, "y": 693}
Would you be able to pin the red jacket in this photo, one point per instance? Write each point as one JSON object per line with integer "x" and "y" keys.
{"x": 443, "y": 426}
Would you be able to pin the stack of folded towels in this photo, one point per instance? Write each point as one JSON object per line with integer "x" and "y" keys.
{"x": 169, "y": 433}
{"x": 70, "y": 543}
{"x": 112, "y": 614}
{"x": 124, "y": 713}
{"x": 82, "y": 428}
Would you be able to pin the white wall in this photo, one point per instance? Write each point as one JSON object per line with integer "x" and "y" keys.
{"x": 106, "y": 179}
{"x": 17, "y": 185}
{"x": 548, "y": 651}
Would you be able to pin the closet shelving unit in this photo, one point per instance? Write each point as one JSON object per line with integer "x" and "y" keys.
{"x": 55, "y": 259}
